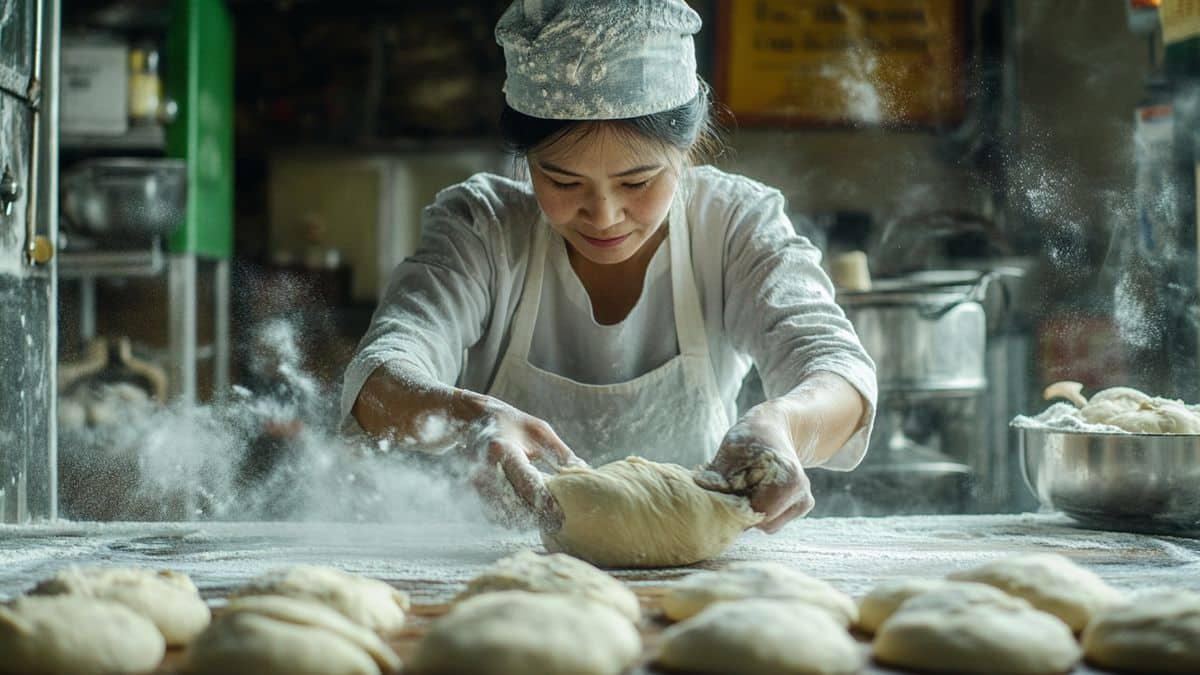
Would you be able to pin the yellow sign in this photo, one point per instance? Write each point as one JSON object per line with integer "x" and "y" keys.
{"x": 1180, "y": 19}
{"x": 886, "y": 62}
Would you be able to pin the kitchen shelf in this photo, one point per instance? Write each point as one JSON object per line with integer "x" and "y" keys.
{"x": 148, "y": 138}
{"x": 94, "y": 263}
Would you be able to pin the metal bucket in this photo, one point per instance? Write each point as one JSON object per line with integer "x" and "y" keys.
{"x": 926, "y": 332}
{"x": 1131, "y": 482}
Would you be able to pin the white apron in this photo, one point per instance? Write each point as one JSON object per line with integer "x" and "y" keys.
{"x": 670, "y": 414}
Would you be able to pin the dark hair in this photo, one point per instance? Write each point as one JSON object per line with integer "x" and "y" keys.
{"x": 689, "y": 128}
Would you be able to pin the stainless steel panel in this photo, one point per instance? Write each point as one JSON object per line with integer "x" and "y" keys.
{"x": 17, "y": 42}
{"x": 16, "y": 134}
{"x": 26, "y": 490}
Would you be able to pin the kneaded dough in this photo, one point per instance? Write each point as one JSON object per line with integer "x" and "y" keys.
{"x": 1131, "y": 410}
{"x": 369, "y": 603}
{"x": 516, "y": 633}
{"x": 277, "y": 635}
{"x": 977, "y": 630}
{"x": 637, "y": 513}
{"x": 760, "y": 637}
{"x": 554, "y": 573}
{"x": 167, "y": 598}
{"x": 886, "y": 597}
{"x": 744, "y": 580}
{"x": 1050, "y": 582}
{"x": 1156, "y": 631}
{"x": 77, "y": 635}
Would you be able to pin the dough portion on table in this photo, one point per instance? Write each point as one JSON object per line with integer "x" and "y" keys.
{"x": 277, "y": 635}
{"x": 745, "y": 580}
{"x": 971, "y": 631}
{"x": 516, "y": 633}
{"x": 554, "y": 573}
{"x": 1050, "y": 582}
{"x": 370, "y": 603}
{"x": 637, "y": 513}
{"x": 760, "y": 637}
{"x": 1155, "y": 632}
{"x": 75, "y": 634}
{"x": 169, "y": 599}
{"x": 886, "y": 597}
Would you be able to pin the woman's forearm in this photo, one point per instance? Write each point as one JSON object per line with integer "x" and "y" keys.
{"x": 399, "y": 403}
{"x": 820, "y": 415}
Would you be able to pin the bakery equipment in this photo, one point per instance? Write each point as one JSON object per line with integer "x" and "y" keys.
{"x": 124, "y": 199}
{"x": 927, "y": 333}
{"x": 1121, "y": 481}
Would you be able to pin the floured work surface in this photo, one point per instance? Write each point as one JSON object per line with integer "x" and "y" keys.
{"x": 432, "y": 563}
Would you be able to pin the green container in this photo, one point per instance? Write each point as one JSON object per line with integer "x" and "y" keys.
{"x": 200, "y": 52}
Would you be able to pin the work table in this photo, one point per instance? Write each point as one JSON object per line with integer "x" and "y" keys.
{"x": 432, "y": 561}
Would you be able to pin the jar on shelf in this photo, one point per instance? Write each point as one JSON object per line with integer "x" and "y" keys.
{"x": 145, "y": 85}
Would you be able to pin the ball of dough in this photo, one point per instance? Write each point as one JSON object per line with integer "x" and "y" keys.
{"x": 554, "y": 573}
{"x": 169, "y": 599}
{"x": 77, "y": 635}
{"x": 1160, "y": 416}
{"x": 369, "y": 603}
{"x": 1050, "y": 582}
{"x": 515, "y": 633}
{"x": 1153, "y": 632}
{"x": 886, "y": 597}
{"x": 760, "y": 637}
{"x": 276, "y": 635}
{"x": 972, "y": 631}
{"x": 743, "y": 580}
{"x": 637, "y": 513}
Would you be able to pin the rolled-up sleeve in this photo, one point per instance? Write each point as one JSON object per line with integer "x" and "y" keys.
{"x": 780, "y": 309}
{"x": 437, "y": 301}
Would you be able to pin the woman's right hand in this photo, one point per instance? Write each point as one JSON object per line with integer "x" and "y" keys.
{"x": 502, "y": 444}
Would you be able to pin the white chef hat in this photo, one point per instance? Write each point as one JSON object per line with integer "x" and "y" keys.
{"x": 598, "y": 59}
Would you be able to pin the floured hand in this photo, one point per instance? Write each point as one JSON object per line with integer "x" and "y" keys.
{"x": 757, "y": 459}
{"x": 504, "y": 445}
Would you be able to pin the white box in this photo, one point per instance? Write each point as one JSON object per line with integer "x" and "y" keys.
{"x": 95, "y": 88}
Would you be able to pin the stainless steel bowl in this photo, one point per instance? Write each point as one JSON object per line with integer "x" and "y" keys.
{"x": 1131, "y": 482}
{"x": 125, "y": 198}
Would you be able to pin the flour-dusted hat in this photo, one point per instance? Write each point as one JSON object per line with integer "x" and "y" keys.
{"x": 598, "y": 59}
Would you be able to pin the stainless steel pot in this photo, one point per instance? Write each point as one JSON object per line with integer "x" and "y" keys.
{"x": 925, "y": 331}
{"x": 1134, "y": 482}
{"x": 125, "y": 198}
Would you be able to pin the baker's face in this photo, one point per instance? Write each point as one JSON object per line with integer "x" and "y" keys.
{"x": 604, "y": 192}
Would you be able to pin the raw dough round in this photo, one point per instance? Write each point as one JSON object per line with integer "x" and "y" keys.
{"x": 1050, "y": 582}
{"x": 744, "y": 580}
{"x": 516, "y": 633}
{"x": 369, "y": 603}
{"x": 760, "y": 637}
{"x": 887, "y": 596}
{"x": 77, "y": 635}
{"x": 976, "y": 630}
{"x": 637, "y": 513}
{"x": 554, "y": 573}
{"x": 1155, "y": 632}
{"x": 276, "y": 635}
{"x": 167, "y": 598}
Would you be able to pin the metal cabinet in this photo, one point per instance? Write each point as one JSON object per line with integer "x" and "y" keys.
{"x": 27, "y": 275}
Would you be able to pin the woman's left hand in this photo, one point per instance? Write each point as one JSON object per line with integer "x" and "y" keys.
{"x": 758, "y": 459}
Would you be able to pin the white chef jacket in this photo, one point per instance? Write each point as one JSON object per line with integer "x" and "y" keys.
{"x": 766, "y": 301}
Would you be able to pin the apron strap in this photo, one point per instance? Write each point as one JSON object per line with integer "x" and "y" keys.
{"x": 689, "y": 316}
{"x": 531, "y": 295}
